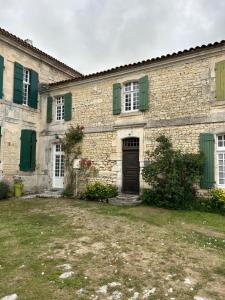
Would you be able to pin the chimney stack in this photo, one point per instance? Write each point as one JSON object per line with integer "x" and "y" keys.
{"x": 28, "y": 41}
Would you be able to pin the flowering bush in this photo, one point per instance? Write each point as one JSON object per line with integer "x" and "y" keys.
{"x": 217, "y": 200}
{"x": 172, "y": 176}
{"x": 99, "y": 191}
{"x": 85, "y": 163}
{"x": 17, "y": 179}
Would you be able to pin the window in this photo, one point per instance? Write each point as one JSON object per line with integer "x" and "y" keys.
{"x": 131, "y": 96}
{"x": 59, "y": 161}
{"x": 26, "y": 85}
{"x": 59, "y": 108}
{"x": 220, "y": 157}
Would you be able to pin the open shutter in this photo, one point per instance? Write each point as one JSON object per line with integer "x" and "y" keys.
{"x": 33, "y": 93}
{"x": 1, "y": 75}
{"x": 207, "y": 145}
{"x": 49, "y": 109}
{"x": 116, "y": 98}
{"x": 67, "y": 107}
{"x": 18, "y": 83}
{"x": 25, "y": 150}
{"x": 28, "y": 150}
{"x": 143, "y": 93}
{"x": 33, "y": 151}
{"x": 220, "y": 80}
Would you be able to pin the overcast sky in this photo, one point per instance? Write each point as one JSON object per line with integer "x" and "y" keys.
{"x": 93, "y": 35}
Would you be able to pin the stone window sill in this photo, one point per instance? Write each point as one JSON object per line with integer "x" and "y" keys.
{"x": 217, "y": 102}
{"x": 130, "y": 114}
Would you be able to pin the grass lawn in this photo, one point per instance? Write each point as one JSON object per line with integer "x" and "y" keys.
{"x": 113, "y": 252}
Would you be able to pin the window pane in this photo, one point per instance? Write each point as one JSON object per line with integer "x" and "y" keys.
{"x": 221, "y": 165}
{"x": 128, "y": 87}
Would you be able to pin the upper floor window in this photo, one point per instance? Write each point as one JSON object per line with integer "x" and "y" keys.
{"x": 26, "y": 85}
{"x": 131, "y": 96}
{"x": 60, "y": 108}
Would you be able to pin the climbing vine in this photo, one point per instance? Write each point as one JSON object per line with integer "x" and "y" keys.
{"x": 72, "y": 147}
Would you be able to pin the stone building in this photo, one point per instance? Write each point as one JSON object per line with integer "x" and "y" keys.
{"x": 123, "y": 111}
{"x": 23, "y": 70}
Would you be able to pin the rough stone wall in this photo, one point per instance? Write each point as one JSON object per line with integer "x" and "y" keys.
{"x": 14, "y": 117}
{"x": 182, "y": 104}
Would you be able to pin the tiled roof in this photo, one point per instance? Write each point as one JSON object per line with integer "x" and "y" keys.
{"x": 39, "y": 52}
{"x": 142, "y": 63}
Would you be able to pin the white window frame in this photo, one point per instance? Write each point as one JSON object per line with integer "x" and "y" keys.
{"x": 59, "y": 108}
{"x": 26, "y": 86}
{"x": 220, "y": 150}
{"x": 131, "y": 91}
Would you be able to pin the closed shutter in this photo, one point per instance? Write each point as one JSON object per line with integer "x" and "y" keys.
{"x": 207, "y": 145}
{"x": 220, "y": 80}
{"x": 1, "y": 75}
{"x": 67, "y": 107}
{"x": 143, "y": 93}
{"x": 116, "y": 98}
{"x": 33, "y": 93}
{"x": 49, "y": 109}
{"x": 28, "y": 150}
{"x": 18, "y": 83}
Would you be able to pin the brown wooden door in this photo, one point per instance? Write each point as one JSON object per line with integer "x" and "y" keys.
{"x": 131, "y": 166}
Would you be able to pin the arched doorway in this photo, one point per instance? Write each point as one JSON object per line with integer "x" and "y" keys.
{"x": 130, "y": 165}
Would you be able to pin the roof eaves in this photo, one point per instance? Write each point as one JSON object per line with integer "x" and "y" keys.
{"x": 38, "y": 51}
{"x": 141, "y": 63}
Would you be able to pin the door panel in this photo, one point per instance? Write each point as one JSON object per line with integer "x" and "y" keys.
{"x": 58, "y": 167}
{"x": 131, "y": 171}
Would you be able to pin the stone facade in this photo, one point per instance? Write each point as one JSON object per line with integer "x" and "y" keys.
{"x": 182, "y": 104}
{"x": 15, "y": 117}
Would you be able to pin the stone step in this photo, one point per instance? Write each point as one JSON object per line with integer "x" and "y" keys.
{"x": 50, "y": 194}
{"x": 125, "y": 199}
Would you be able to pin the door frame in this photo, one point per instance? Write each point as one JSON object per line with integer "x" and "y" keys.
{"x": 53, "y": 167}
{"x": 132, "y": 148}
{"x": 121, "y": 133}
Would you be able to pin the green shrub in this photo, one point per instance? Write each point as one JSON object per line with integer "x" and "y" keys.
{"x": 67, "y": 192}
{"x": 99, "y": 191}
{"x": 217, "y": 200}
{"x": 172, "y": 176}
{"x": 4, "y": 190}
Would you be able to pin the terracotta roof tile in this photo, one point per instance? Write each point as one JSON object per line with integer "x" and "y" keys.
{"x": 142, "y": 63}
{"x": 39, "y": 52}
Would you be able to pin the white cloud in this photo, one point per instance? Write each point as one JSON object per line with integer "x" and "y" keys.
{"x": 91, "y": 35}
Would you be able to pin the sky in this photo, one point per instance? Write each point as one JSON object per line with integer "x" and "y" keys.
{"x": 94, "y": 35}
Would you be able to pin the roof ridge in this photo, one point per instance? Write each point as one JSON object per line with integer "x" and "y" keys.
{"x": 143, "y": 62}
{"x": 38, "y": 51}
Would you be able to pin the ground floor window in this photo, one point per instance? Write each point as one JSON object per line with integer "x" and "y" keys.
{"x": 220, "y": 159}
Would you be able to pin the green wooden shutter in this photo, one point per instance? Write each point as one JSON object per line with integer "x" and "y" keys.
{"x": 67, "y": 107}
{"x": 143, "y": 93}
{"x": 25, "y": 150}
{"x": 116, "y": 98}
{"x": 1, "y": 75}
{"x": 33, "y": 151}
{"x": 18, "y": 83}
{"x": 220, "y": 80}
{"x": 49, "y": 109}
{"x": 28, "y": 150}
{"x": 207, "y": 145}
{"x": 33, "y": 92}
